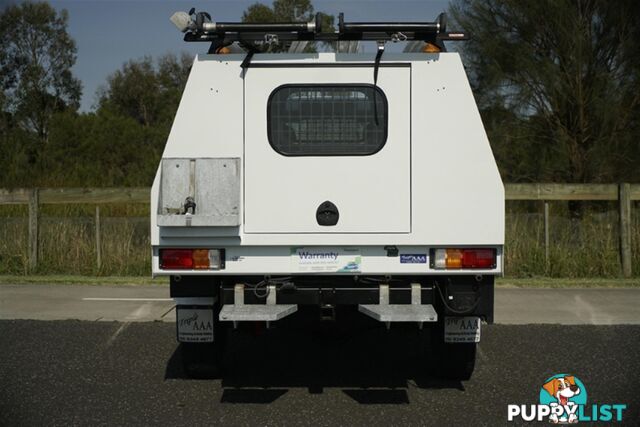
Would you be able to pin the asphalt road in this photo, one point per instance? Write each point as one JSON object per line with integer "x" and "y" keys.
{"x": 89, "y": 373}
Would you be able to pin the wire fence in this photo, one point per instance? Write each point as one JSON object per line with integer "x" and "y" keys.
{"x": 106, "y": 231}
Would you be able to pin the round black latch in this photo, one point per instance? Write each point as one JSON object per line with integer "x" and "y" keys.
{"x": 327, "y": 214}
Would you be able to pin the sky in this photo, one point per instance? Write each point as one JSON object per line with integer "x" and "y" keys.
{"x": 109, "y": 33}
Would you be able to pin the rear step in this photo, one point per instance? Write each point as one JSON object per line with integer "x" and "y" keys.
{"x": 256, "y": 312}
{"x": 239, "y": 312}
{"x": 414, "y": 312}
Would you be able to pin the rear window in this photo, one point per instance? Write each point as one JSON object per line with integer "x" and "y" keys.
{"x": 327, "y": 120}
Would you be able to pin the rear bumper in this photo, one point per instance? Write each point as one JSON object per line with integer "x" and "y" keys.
{"x": 467, "y": 295}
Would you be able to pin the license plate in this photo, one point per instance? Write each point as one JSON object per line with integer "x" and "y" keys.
{"x": 195, "y": 324}
{"x": 461, "y": 329}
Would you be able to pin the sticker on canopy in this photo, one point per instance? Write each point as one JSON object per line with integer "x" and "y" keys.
{"x": 334, "y": 260}
{"x": 413, "y": 258}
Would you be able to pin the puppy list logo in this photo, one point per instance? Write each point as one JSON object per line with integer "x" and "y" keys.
{"x": 563, "y": 393}
{"x": 563, "y": 400}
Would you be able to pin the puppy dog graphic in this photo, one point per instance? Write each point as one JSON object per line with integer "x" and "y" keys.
{"x": 563, "y": 389}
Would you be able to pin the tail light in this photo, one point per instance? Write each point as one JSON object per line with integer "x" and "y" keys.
{"x": 478, "y": 258}
{"x": 474, "y": 258}
{"x": 192, "y": 259}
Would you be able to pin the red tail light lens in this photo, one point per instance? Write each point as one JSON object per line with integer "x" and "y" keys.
{"x": 176, "y": 259}
{"x": 478, "y": 258}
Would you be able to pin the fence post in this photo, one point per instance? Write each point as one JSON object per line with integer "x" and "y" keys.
{"x": 624, "y": 197}
{"x": 33, "y": 229}
{"x": 547, "y": 260}
{"x": 98, "y": 245}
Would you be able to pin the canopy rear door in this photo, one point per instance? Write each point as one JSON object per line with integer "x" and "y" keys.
{"x": 326, "y": 134}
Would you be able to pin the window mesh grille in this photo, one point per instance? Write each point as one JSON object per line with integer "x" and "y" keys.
{"x": 327, "y": 120}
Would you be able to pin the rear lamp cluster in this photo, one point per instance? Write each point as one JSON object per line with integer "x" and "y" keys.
{"x": 451, "y": 259}
{"x": 192, "y": 259}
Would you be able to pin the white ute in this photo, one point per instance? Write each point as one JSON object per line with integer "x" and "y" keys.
{"x": 296, "y": 182}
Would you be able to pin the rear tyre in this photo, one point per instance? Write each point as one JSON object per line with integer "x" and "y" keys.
{"x": 456, "y": 361}
{"x": 202, "y": 360}
{"x": 452, "y": 361}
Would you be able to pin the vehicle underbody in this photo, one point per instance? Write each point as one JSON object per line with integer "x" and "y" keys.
{"x": 392, "y": 300}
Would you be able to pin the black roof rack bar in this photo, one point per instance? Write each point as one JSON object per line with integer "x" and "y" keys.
{"x": 207, "y": 27}
{"x": 229, "y": 32}
{"x": 241, "y": 27}
{"x": 328, "y": 37}
{"x": 439, "y": 26}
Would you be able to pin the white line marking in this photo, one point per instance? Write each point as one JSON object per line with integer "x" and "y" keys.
{"x": 127, "y": 299}
{"x": 115, "y": 334}
{"x": 140, "y": 312}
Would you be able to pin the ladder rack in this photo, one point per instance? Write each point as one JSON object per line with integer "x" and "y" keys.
{"x": 198, "y": 27}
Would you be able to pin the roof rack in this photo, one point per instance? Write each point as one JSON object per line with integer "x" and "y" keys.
{"x": 198, "y": 27}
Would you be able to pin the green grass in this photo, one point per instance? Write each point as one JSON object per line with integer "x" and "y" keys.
{"x": 68, "y": 245}
{"x": 549, "y": 282}
{"x": 584, "y": 247}
{"x": 83, "y": 280}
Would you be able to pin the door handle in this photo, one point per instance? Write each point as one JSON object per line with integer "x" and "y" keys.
{"x": 327, "y": 214}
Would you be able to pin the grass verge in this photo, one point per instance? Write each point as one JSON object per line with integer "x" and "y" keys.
{"x": 549, "y": 282}
{"x": 83, "y": 280}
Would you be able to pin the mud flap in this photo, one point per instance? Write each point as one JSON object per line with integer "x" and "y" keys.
{"x": 195, "y": 320}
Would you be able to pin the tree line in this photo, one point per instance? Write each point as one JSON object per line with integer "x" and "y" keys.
{"x": 557, "y": 84}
